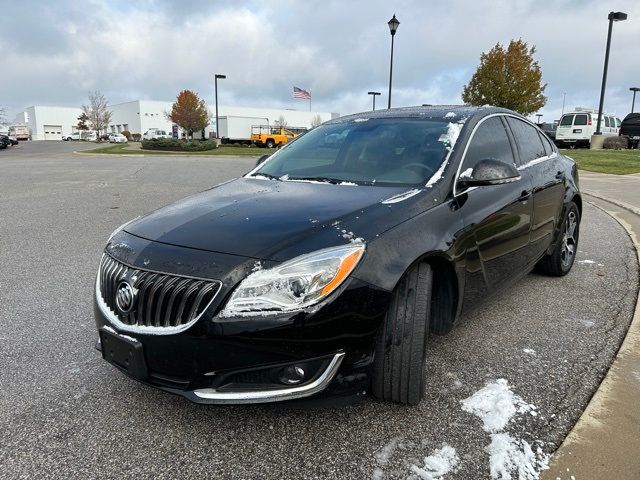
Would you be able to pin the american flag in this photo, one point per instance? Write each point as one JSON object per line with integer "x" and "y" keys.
{"x": 300, "y": 93}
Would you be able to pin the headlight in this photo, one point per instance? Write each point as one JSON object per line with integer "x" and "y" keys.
{"x": 295, "y": 284}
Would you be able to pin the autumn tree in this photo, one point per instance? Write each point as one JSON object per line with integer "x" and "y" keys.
{"x": 189, "y": 112}
{"x": 508, "y": 78}
{"x": 82, "y": 124}
{"x": 97, "y": 112}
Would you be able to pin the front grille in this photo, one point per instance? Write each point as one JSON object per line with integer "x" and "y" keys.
{"x": 160, "y": 300}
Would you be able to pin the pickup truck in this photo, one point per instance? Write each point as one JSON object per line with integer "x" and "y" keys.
{"x": 266, "y": 136}
{"x": 630, "y": 128}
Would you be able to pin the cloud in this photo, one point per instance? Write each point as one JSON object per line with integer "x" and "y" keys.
{"x": 55, "y": 53}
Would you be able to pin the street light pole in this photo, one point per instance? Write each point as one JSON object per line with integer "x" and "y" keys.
{"x": 564, "y": 97}
{"x": 633, "y": 102}
{"x": 613, "y": 17}
{"x": 216, "y": 77}
{"x": 393, "y": 27}
{"x": 374, "y": 94}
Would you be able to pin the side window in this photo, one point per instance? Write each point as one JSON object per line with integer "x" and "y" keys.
{"x": 606, "y": 122}
{"x": 580, "y": 119}
{"x": 490, "y": 140}
{"x": 527, "y": 139}
{"x": 566, "y": 121}
{"x": 548, "y": 148}
{"x": 618, "y": 123}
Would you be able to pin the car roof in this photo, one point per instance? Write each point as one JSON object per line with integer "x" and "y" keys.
{"x": 426, "y": 111}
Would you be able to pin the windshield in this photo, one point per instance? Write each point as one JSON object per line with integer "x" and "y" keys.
{"x": 391, "y": 151}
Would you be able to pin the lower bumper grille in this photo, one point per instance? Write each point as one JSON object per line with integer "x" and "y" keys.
{"x": 142, "y": 300}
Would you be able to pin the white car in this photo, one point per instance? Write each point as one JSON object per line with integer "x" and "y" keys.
{"x": 79, "y": 136}
{"x": 117, "y": 138}
{"x": 155, "y": 133}
{"x": 576, "y": 128}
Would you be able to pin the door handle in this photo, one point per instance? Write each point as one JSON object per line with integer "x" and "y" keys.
{"x": 560, "y": 175}
{"x": 524, "y": 196}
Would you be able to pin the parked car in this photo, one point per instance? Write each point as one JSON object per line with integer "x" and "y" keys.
{"x": 117, "y": 138}
{"x": 324, "y": 269}
{"x": 576, "y": 128}
{"x": 155, "y": 133}
{"x": 630, "y": 128}
{"x": 4, "y": 142}
{"x": 71, "y": 136}
{"x": 90, "y": 136}
{"x": 549, "y": 129}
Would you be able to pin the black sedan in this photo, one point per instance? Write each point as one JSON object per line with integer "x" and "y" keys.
{"x": 324, "y": 270}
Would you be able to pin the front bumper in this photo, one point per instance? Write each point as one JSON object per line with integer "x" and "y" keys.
{"x": 241, "y": 360}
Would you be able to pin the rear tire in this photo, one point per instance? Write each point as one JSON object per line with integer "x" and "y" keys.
{"x": 560, "y": 261}
{"x": 270, "y": 143}
{"x": 399, "y": 358}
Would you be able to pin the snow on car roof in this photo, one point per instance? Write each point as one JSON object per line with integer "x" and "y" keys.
{"x": 431, "y": 111}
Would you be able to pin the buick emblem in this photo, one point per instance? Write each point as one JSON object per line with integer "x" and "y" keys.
{"x": 125, "y": 297}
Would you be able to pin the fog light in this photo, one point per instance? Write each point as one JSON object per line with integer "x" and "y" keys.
{"x": 292, "y": 375}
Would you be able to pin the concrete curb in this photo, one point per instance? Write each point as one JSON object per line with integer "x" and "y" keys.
{"x": 606, "y": 438}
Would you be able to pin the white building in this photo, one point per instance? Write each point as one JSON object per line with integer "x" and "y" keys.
{"x": 138, "y": 116}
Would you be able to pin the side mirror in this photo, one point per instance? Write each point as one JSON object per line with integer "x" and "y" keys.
{"x": 261, "y": 159}
{"x": 488, "y": 172}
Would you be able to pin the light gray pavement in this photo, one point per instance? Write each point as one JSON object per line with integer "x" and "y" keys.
{"x": 605, "y": 442}
{"x": 65, "y": 413}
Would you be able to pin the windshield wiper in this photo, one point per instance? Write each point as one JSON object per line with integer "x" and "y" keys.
{"x": 319, "y": 179}
{"x": 268, "y": 175}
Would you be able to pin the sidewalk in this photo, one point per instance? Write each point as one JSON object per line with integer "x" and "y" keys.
{"x": 605, "y": 442}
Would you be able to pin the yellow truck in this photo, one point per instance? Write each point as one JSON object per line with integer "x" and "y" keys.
{"x": 270, "y": 137}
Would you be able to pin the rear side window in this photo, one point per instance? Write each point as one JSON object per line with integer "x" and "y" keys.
{"x": 548, "y": 147}
{"x": 580, "y": 120}
{"x": 527, "y": 139}
{"x": 606, "y": 122}
{"x": 618, "y": 122}
{"x": 490, "y": 140}
{"x": 566, "y": 121}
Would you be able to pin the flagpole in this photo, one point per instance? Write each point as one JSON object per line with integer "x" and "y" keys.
{"x": 309, "y": 100}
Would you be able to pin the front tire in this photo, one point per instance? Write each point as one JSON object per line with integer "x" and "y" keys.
{"x": 560, "y": 261}
{"x": 270, "y": 143}
{"x": 399, "y": 358}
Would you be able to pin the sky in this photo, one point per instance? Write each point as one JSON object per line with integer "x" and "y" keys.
{"x": 54, "y": 53}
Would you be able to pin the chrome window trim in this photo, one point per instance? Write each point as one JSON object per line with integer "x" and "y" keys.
{"x": 473, "y": 132}
{"x": 263, "y": 396}
{"x": 144, "y": 329}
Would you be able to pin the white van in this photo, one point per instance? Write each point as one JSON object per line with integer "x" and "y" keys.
{"x": 576, "y": 128}
{"x": 155, "y": 133}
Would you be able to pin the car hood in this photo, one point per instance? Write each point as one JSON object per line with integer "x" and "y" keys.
{"x": 261, "y": 218}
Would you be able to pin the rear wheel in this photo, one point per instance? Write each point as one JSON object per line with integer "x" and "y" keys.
{"x": 270, "y": 143}
{"x": 560, "y": 261}
{"x": 399, "y": 359}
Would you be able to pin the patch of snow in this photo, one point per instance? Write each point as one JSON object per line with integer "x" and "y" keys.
{"x": 383, "y": 456}
{"x": 348, "y": 183}
{"x": 467, "y": 173}
{"x": 453, "y": 132}
{"x": 284, "y": 177}
{"x": 438, "y": 464}
{"x": 530, "y": 351}
{"x": 586, "y": 262}
{"x": 495, "y": 404}
{"x": 438, "y": 175}
{"x": 509, "y": 458}
{"x": 361, "y": 120}
{"x": 401, "y": 196}
{"x": 262, "y": 177}
{"x": 450, "y": 115}
{"x": 256, "y": 266}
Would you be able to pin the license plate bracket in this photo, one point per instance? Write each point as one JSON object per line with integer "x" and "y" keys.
{"x": 124, "y": 352}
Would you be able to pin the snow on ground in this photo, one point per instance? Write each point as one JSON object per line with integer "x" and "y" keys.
{"x": 530, "y": 351}
{"x": 438, "y": 464}
{"x": 508, "y": 456}
{"x": 495, "y": 404}
{"x": 586, "y": 262}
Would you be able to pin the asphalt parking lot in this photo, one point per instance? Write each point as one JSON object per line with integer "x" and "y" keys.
{"x": 64, "y": 413}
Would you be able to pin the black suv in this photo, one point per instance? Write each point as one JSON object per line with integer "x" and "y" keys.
{"x": 630, "y": 128}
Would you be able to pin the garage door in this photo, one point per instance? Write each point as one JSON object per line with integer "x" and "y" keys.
{"x": 53, "y": 132}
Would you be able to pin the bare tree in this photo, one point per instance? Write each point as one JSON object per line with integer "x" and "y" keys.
{"x": 97, "y": 111}
{"x": 3, "y": 115}
{"x": 281, "y": 122}
{"x": 316, "y": 120}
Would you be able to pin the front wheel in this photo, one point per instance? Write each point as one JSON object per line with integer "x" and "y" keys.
{"x": 560, "y": 261}
{"x": 400, "y": 351}
{"x": 270, "y": 143}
